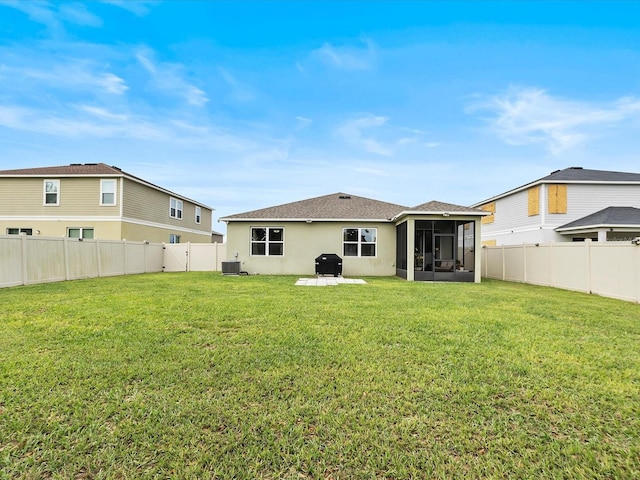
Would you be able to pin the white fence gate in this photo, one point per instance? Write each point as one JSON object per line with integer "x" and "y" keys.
{"x": 194, "y": 257}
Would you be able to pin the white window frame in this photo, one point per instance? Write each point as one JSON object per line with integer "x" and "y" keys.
{"x": 174, "y": 238}
{"x": 176, "y": 208}
{"x": 268, "y": 242}
{"x": 104, "y": 191}
{"x": 81, "y": 232}
{"x": 362, "y": 232}
{"x": 20, "y": 231}
{"x": 56, "y": 183}
{"x": 198, "y": 214}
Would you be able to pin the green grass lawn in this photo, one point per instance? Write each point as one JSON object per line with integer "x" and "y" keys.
{"x": 196, "y": 375}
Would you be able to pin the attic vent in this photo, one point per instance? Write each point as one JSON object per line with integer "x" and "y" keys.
{"x": 75, "y": 164}
{"x": 575, "y": 168}
{"x": 344, "y": 197}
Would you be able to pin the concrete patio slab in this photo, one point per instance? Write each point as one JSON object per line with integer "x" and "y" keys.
{"x": 327, "y": 281}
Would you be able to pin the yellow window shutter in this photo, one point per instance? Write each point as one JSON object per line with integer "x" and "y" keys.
{"x": 534, "y": 201}
{"x": 557, "y": 199}
{"x": 489, "y": 207}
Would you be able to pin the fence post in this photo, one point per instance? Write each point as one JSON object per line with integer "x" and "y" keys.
{"x": 187, "y": 268}
{"x": 504, "y": 267}
{"x": 25, "y": 263}
{"x": 552, "y": 282}
{"x": 637, "y": 270}
{"x": 588, "y": 259}
{"x": 124, "y": 257}
{"x": 98, "y": 257}
{"x": 65, "y": 247}
{"x": 524, "y": 262}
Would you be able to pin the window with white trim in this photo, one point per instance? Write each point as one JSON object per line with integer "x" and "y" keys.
{"x": 198, "y": 214}
{"x": 267, "y": 241}
{"x": 19, "y": 231}
{"x": 80, "y": 232}
{"x": 52, "y": 192}
{"x": 359, "y": 242}
{"x": 107, "y": 192}
{"x": 174, "y": 238}
{"x": 175, "y": 208}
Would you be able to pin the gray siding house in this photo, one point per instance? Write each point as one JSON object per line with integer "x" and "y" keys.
{"x": 567, "y": 205}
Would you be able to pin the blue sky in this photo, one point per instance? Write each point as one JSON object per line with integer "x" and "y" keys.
{"x": 243, "y": 105}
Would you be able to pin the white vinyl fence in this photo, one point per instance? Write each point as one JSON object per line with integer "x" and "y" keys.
{"x": 26, "y": 259}
{"x": 610, "y": 269}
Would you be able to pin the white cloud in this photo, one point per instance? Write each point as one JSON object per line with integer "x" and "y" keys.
{"x": 524, "y": 116}
{"x": 54, "y": 14}
{"x": 344, "y": 57}
{"x": 169, "y": 77}
{"x": 77, "y": 13}
{"x": 239, "y": 91}
{"x": 137, "y": 7}
{"x": 69, "y": 75}
{"x": 352, "y": 132}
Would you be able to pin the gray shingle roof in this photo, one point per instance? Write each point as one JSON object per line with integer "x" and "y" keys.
{"x": 73, "y": 169}
{"x": 573, "y": 174}
{"x": 334, "y": 206}
{"x": 577, "y": 174}
{"x": 435, "y": 206}
{"x": 343, "y": 206}
{"x": 608, "y": 217}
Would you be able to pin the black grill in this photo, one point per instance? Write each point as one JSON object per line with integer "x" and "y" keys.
{"x": 329, "y": 264}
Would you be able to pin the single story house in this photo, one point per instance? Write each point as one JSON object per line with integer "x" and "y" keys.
{"x": 434, "y": 241}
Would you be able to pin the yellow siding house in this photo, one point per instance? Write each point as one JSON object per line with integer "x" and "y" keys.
{"x": 95, "y": 200}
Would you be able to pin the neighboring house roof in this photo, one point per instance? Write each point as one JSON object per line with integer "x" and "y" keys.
{"x": 343, "y": 206}
{"x": 89, "y": 170}
{"x": 573, "y": 175}
{"x": 610, "y": 217}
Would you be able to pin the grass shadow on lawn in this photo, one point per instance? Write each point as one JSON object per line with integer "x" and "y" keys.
{"x": 201, "y": 375}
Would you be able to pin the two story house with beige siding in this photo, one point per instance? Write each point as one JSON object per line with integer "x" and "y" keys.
{"x": 95, "y": 200}
{"x": 573, "y": 204}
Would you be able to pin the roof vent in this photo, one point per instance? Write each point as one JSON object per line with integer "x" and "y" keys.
{"x": 345, "y": 197}
{"x": 575, "y": 168}
{"x": 75, "y": 164}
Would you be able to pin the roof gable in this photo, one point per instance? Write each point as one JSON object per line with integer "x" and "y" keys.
{"x": 328, "y": 207}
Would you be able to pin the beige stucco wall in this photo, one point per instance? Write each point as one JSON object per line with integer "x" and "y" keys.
{"x": 303, "y": 242}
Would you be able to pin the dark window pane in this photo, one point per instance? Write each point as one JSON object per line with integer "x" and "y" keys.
{"x": 368, "y": 250}
{"x": 276, "y": 249}
{"x": 258, "y": 249}
{"x": 350, "y": 234}
{"x": 350, "y": 249}
{"x": 258, "y": 234}
{"x": 275, "y": 234}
